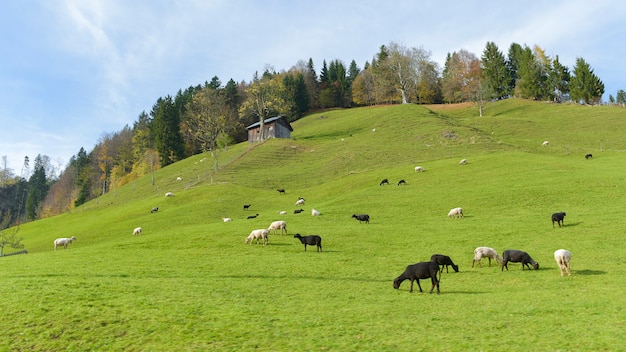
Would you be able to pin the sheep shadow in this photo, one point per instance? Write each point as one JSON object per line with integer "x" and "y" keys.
{"x": 292, "y": 277}
{"x": 588, "y": 272}
{"x": 426, "y": 291}
{"x": 572, "y": 224}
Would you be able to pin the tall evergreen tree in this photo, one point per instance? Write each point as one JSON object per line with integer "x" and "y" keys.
{"x": 531, "y": 82}
{"x": 312, "y": 85}
{"x": 166, "y": 130}
{"x": 514, "y": 58}
{"x": 585, "y": 86}
{"x": 559, "y": 79}
{"x": 37, "y": 188}
{"x": 324, "y": 73}
{"x": 297, "y": 91}
{"x": 495, "y": 71}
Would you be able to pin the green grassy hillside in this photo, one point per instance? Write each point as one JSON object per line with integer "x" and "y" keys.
{"x": 190, "y": 283}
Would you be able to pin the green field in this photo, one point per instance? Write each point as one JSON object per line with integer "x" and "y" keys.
{"x": 189, "y": 283}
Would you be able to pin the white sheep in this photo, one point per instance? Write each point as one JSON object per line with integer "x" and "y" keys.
{"x": 137, "y": 231}
{"x": 463, "y": 162}
{"x": 546, "y": 143}
{"x": 419, "y": 169}
{"x": 456, "y": 213}
{"x": 278, "y": 225}
{"x": 169, "y": 195}
{"x": 282, "y": 212}
{"x": 300, "y": 202}
{"x": 63, "y": 241}
{"x": 315, "y": 212}
{"x": 260, "y": 234}
{"x": 179, "y": 178}
{"x": 563, "y": 257}
{"x": 227, "y": 219}
{"x": 485, "y": 252}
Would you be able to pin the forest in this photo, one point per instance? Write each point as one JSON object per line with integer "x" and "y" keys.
{"x": 213, "y": 115}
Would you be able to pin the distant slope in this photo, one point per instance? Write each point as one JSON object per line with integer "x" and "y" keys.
{"x": 337, "y": 150}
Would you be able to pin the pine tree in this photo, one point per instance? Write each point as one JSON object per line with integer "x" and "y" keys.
{"x": 37, "y": 189}
{"x": 495, "y": 71}
{"x": 585, "y": 86}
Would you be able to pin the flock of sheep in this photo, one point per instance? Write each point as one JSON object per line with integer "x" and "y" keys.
{"x": 413, "y": 272}
{"x": 426, "y": 270}
{"x": 430, "y": 269}
{"x": 280, "y": 225}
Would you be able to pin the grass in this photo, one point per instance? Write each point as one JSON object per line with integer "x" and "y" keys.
{"x": 191, "y": 284}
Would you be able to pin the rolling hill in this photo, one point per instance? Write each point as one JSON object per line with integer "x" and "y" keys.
{"x": 190, "y": 283}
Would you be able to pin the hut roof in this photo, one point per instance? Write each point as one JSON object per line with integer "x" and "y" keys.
{"x": 277, "y": 119}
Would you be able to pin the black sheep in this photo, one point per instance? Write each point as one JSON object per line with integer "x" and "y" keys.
{"x": 401, "y": 182}
{"x": 384, "y": 182}
{"x": 312, "y": 240}
{"x": 281, "y": 190}
{"x": 444, "y": 260}
{"x": 588, "y": 156}
{"x": 515, "y": 256}
{"x": 252, "y": 216}
{"x": 558, "y": 218}
{"x": 154, "y": 210}
{"x": 362, "y": 217}
{"x": 246, "y": 206}
{"x": 415, "y": 272}
{"x": 298, "y": 211}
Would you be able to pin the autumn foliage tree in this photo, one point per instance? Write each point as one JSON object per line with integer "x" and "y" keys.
{"x": 207, "y": 118}
{"x": 265, "y": 97}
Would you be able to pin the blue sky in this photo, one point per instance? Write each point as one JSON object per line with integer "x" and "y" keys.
{"x": 72, "y": 70}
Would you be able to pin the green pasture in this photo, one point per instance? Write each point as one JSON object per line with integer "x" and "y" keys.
{"x": 189, "y": 283}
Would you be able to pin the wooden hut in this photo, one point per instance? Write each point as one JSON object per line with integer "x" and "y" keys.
{"x": 275, "y": 127}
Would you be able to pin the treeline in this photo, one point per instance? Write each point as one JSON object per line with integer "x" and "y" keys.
{"x": 210, "y": 116}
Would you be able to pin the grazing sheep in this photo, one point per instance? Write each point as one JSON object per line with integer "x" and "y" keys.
{"x": 558, "y": 218}
{"x": 63, "y": 241}
{"x": 588, "y": 156}
{"x": 456, "y": 213}
{"x": 154, "y": 210}
{"x": 415, "y": 272}
{"x": 312, "y": 240}
{"x": 419, "y": 169}
{"x": 179, "y": 178}
{"x": 362, "y": 217}
{"x": 227, "y": 219}
{"x": 444, "y": 260}
{"x": 315, "y": 212}
{"x": 300, "y": 202}
{"x": 384, "y": 182}
{"x": 252, "y": 216}
{"x": 515, "y": 256}
{"x": 169, "y": 195}
{"x": 463, "y": 162}
{"x": 298, "y": 211}
{"x": 260, "y": 234}
{"x": 137, "y": 231}
{"x": 485, "y": 252}
{"x": 282, "y": 212}
{"x": 278, "y": 225}
{"x": 563, "y": 257}
{"x": 281, "y": 190}
{"x": 545, "y": 143}
{"x": 246, "y": 206}
{"x": 401, "y": 182}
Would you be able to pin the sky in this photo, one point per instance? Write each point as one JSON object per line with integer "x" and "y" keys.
{"x": 72, "y": 71}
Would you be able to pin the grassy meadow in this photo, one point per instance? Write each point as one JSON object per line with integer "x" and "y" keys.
{"x": 189, "y": 283}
